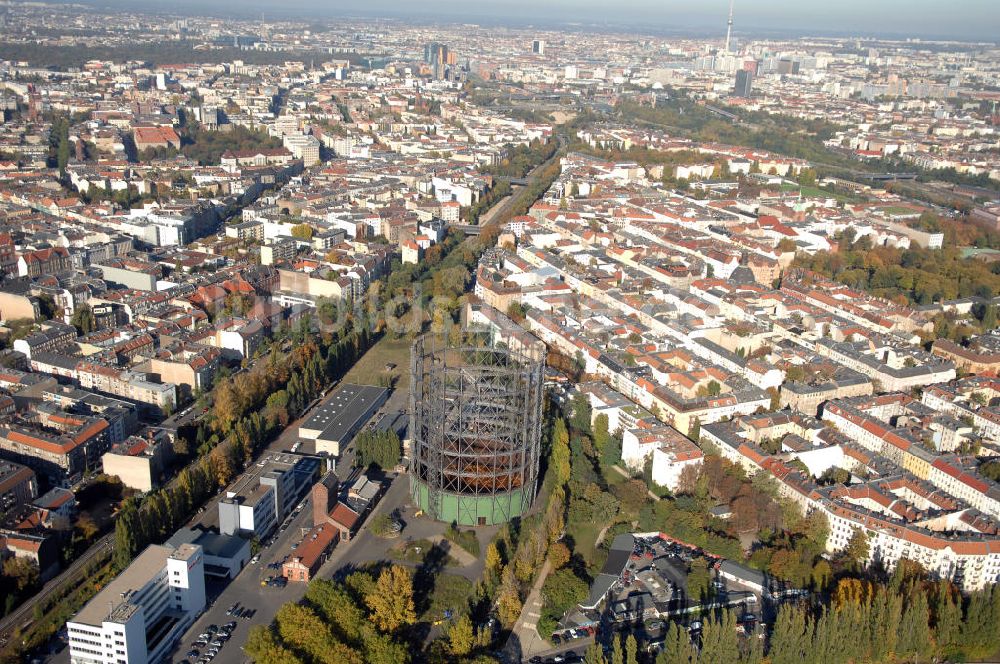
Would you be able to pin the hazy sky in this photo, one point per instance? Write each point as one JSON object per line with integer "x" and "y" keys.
{"x": 960, "y": 19}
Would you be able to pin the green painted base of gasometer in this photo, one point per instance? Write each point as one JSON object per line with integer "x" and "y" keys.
{"x": 467, "y": 510}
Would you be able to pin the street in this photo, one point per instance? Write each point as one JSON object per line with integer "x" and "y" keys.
{"x": 246, "y": 588}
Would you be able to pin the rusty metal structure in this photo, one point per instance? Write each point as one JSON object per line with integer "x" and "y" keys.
{"x": 475, "y": 426}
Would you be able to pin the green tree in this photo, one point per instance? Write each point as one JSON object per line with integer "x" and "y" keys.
{"x": 947, "y": 619}
{"x": 381, "y": 649}
{"x": 694, "y": 433}
{"x": 391, "y": 600}
{"x": 791, "y": 641}
{"x": 22, "y": 572}
{"x": 979, "y": 635}
{"x": 83, "y": 319}
{"x": 305, "y": 632}
{"x": 560, "y": 452}
{"x": 677, "y": 647}
{"x": 913, "y": 637}
{"x": 130, "y": 533}
{"x": 856, "y": 552}
{"x": 719, "y": 642}
{"x": 699, "y": 580}
{"x": 989, "y": 320}
{"x": 631, "y": 649}
{"x": 336, "y": 606}
{"x": 594, "y": 655}
{"x": 264, "y": 647}
{"x": 581, "y": 413}
{"x": 381, "y": 448}
{"x": 461, "y": 638}
{"x": 562, "y": 590}
{"x": 602, "y": 437}
{"x": 617, "y": 651}
{"x": 302, "y": 231}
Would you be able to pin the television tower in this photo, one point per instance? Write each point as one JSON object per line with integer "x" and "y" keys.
{"x": 729, "y": 25}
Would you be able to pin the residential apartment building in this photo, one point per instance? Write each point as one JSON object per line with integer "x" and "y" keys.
{"x": 18, "y": 486}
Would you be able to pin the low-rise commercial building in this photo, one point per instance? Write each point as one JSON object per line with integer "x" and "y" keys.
{"x": 257, "y": 501}
{"x": 312, "y": 553}
{"x": 225, "y": 555}
{"x": 334, "y": 422}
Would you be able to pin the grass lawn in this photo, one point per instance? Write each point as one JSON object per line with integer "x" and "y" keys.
{"x": 416, "y": 552}
{"x": 463, "y": 538}
{"x": 612, "y": 476}
{"x": 370, "y": 369}
{"x": 450, "y": 592}
{"x": 585, "y": 539}
{"x": 898, "y": 209}
{"x": 824, "y": 193}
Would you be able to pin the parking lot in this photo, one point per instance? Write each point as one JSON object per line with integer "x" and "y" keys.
{"x": 248, "y": 599}
{"x": 652, "y": 590}
{"x": 257, "y": 603}
{"x": 246, "y": 590}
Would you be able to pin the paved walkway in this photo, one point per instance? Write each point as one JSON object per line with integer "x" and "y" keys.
{"x": 463, "y": 557}
{"x": 621, "y": 472}
{"x": 526, "y": 629}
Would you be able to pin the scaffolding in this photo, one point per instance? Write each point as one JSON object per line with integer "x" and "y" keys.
{"x": 475, "y": 426}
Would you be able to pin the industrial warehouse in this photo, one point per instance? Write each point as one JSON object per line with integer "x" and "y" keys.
{"x": 334, "y": 422}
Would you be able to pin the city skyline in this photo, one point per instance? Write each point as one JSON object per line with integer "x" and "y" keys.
{"x": 564, "y": 332}
{"x": 968, "y": 20}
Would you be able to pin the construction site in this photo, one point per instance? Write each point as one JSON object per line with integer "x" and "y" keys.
{"x": 476, "y": 412}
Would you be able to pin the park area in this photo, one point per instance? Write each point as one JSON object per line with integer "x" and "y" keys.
{"x": 386, "y": 364}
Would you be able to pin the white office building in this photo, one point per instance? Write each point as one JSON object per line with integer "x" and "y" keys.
{"x": 141, "y": 615}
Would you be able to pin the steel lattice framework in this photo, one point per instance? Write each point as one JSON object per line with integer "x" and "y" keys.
{"x": 475, "y": 429}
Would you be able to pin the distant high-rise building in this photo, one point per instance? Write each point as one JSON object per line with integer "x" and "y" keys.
{"x": 744, "y": 83}
{"x": 435, "y": 53}
{"x": 787, "y": 66}
{"x": 437, "y": 56}
{"x": 538, "y": 46}
{"x": 729, "y": 26}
